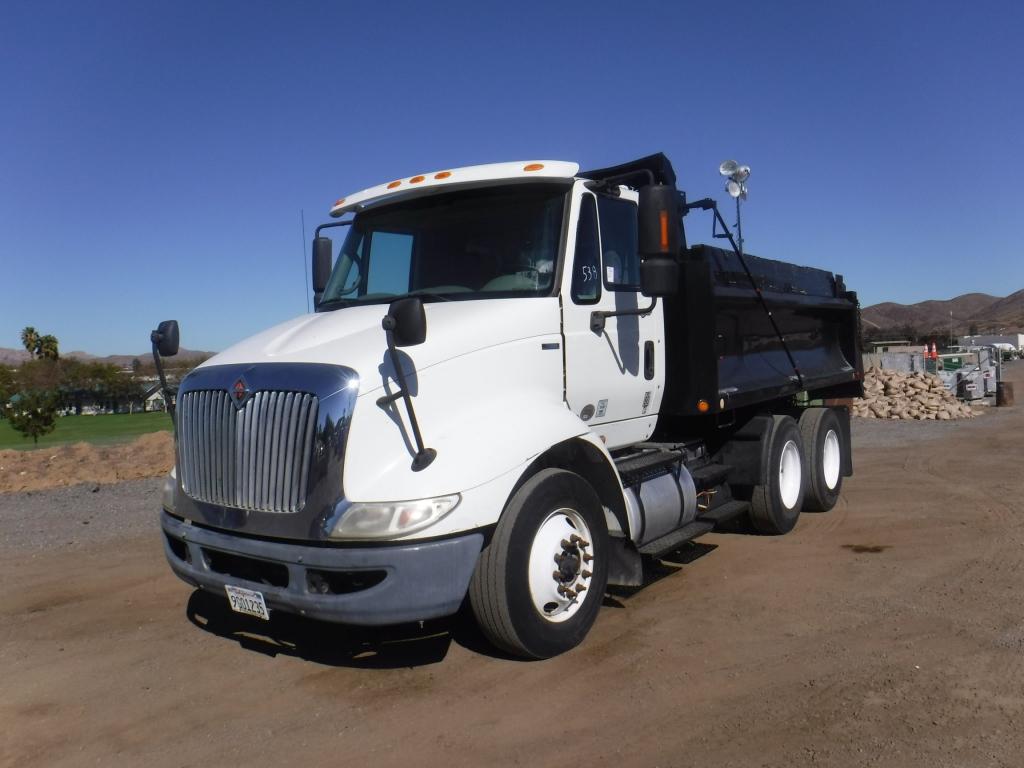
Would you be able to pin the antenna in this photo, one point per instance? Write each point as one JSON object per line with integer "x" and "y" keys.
{"x": 305, "y": 272}
{"x": 737, "y": 189}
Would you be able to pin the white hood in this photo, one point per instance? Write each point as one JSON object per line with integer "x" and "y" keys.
{"x": 353, "y": 336}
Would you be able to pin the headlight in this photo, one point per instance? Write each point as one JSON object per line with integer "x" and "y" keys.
{"x": 372, "y": 520}
{"x": 170, "y": 489}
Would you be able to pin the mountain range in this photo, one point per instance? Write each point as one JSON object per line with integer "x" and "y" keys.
{"x": 980, "y": 311}
{"x": 10, "y": 356}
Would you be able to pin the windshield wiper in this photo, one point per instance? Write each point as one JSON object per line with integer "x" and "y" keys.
{"x": 340, "y": 300}
{"x": 421, "y": 294}
{"x": 347, "y": 302}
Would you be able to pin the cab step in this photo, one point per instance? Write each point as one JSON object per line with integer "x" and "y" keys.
{"x": 672, "y": 541}
{"x": 638, "y": 467}
{"x": 710, "y": 475}
{"x": 725, "y": 512}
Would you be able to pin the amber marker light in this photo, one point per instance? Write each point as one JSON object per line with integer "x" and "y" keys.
{"x": 339, "y": 201}
{"x": 442, "y": 175}
{"x": 702, "y": 406}
{"x": 416, "y": 179}
{"x": 534, "y": 167}
{"x": 394, "y": 184}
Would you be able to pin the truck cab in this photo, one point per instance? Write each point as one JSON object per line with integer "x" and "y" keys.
{"x": 477, "y": 406}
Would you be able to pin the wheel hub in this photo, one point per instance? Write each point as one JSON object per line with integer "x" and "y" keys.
{"x": 568, "y": 562}
{"x": 563, "y": 539}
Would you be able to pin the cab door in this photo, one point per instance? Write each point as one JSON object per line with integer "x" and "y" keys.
{"x": 613, "y": 377}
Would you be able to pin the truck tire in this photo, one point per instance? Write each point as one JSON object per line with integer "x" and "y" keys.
{"x": 539, "y": 584}
{"x": 823, "y": 458}
{"x": 775, "y": 506}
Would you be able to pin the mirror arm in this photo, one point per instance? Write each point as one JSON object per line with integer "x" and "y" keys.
{"x": 424, "y": 456}
{"x": 708, "y": 204}
{"x": 329, "y": 224}
{"x": 599, "y": 317}
{"x": 168, "y": 392}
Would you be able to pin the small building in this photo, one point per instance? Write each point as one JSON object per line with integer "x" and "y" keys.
{"x": 154, "y": 399}
{"x": 898, "y": 345}
{"x": 1015, "y": 340}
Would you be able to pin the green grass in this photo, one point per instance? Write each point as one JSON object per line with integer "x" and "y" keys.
{"x": 111, "y": 428}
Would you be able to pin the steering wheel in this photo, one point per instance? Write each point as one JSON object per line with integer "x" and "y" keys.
{"x": 527, "y": 270}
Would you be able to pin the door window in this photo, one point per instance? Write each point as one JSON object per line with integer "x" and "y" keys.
{"x": 619, "y": 249}
{"x": 586, "y": 274}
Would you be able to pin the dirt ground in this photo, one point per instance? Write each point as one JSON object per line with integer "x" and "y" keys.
{"x": 150, "y": 455}
{"x": 888, "y": 632}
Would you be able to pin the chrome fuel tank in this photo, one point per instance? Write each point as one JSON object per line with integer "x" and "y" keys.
{"x": 661, "y": 504}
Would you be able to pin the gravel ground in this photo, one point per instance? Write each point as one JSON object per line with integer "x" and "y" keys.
{"x": 885, "y": 633}
{"x": 880, "y": 433}
{"x": 78, "y": 516}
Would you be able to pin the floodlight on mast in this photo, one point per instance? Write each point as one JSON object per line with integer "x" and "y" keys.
{"x": 737, "y": 188}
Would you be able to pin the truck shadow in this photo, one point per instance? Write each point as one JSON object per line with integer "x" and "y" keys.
{"x": 337, "y": 645}
{"x": 390, "y": 647}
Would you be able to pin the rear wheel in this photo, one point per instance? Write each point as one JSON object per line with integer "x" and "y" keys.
{"x": 823, "y": 458}
{"x": 775, "y": 506}
{"x": 539, "y": 584}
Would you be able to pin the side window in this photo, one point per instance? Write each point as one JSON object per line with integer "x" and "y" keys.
{"x": 390, "y": 257}
{"x": 619, "y": 244}
{"x": 586, "y": 270}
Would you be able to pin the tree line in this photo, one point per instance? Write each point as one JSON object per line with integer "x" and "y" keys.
{"x": 33, "y": 393}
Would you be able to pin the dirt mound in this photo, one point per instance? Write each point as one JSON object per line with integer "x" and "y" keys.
{"x": 150, "y": 455}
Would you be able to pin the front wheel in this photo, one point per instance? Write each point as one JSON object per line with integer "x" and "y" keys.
{"x": 539, "y": 584}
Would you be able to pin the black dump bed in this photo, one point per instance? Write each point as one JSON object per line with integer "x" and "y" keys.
{"x": 722, "y": 347}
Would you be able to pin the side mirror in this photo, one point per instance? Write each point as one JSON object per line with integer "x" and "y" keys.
{"x": 658, "y": 234}
{"x": 322, "y": 252}
{"x": 659, "y": 276}
{"x": 407, "y": 321}
{"x": 165, "y": 338}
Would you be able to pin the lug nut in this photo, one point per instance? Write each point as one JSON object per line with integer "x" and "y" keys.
{"x": 587, "y": 558}
{"x": 581, "y": 588}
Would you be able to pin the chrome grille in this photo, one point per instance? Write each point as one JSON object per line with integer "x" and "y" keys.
{"x": 255, "y": 458}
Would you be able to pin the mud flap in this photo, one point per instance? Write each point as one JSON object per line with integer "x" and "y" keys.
{"x": 625, "y": 568}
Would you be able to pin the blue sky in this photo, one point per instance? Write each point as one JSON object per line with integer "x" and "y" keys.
{"x": 155, "y": 157}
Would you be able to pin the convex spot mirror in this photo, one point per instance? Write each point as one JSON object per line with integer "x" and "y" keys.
{"x": 659, "y": 276}
{"x": 407, "y": 321}
{"x": 165, "y": 337}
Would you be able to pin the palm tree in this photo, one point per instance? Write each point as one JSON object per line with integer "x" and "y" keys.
{"x": 47, "y": 347}
{"x": 30, "y": 338}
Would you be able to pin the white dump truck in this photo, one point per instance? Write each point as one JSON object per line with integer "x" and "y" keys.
{"x": 519, "y": 381}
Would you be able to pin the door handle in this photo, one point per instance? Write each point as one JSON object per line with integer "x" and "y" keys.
{"x": 648, "y": 360}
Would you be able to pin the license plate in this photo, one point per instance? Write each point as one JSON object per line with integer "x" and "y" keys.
{"x": 247, "y": 601}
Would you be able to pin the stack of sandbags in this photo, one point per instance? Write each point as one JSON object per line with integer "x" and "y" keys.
{"x": 898, "y": 395}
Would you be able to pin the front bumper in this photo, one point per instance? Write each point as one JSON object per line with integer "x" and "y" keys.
{"x": 368, "y": 585}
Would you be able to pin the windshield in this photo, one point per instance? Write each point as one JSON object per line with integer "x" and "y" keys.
{"x": 481, "y": 243}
